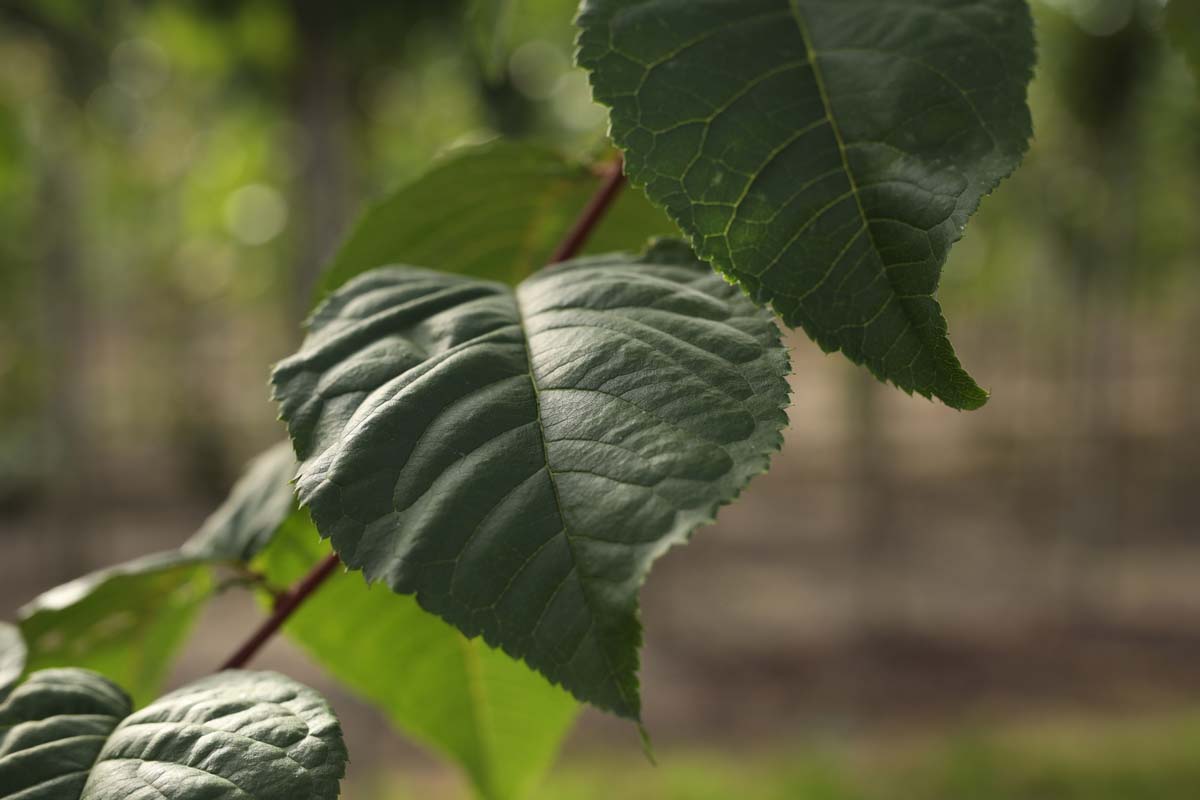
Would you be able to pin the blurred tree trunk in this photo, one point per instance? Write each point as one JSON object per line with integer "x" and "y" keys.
{"x": 321, "y": 150}
{"x": 67, "y": 446}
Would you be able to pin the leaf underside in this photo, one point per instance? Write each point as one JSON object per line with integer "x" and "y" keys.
{"x": 518, "y": 458}
{"x": 825, "y": 154}
{"x": 492, "y": 715}
{"x": 257, "y": 505}
{"x": 68, "y": 734}
{"x": 125, "y": 622}
{"x": 516, "y": 200}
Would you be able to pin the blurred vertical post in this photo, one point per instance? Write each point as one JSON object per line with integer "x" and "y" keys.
{"x": 64, "y": 311}
{"x": 320, "y": 96}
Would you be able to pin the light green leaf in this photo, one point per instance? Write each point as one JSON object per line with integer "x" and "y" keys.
{"x": 67, "y": 734}
{"x": 12, "y": 656}
{"x": 825, "y": 154}
{"x": 125, "y": 622}
{"x": 518, "y": 458}
{"x": 515, "y": 200}
{"x": 487, "y": 712}
{"x": 257, "y": 505}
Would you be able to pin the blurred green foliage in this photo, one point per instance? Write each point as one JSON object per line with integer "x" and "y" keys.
{"x": 162, "y": 182}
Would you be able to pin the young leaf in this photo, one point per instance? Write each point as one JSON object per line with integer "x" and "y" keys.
{"x": 125, "y": 622}
{"x": 518, "y": 458}
{"x": 516, "y": 200}
{"x": 12, "y": 656}
{"x": 823, "y": 154}
{"x": 501, "y": 722}
{"x": 67, "y": 734}
{"x": 257, "y": 505}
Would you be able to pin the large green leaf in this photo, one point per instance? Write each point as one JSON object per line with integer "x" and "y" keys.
{"x": 495, "y": 211}
{"x": 67, "y": 734}
{"x": 12, "y": 656}
{"x": 823, "y": 153}
{"x": 257, "y": 505}
{"x": 125, "y": 622}
{"x": 518, "y": 458}
{"x": 487, "y": 712}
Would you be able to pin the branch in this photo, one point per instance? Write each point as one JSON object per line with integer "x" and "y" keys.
{"x": 572, "y": 243}
{"x": 287, "y": 603}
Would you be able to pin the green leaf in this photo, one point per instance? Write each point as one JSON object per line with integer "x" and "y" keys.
{"x": 12, "y": 656}
{"x": 825, "y": 154}
{"x": 487, "y": 712}
{"x": 125, "y": 622}
{"x": 67, "y": 734}
{"x": 52, "y": 729}
{"x": 257, "y": 505}
{"x": 518, "y": 458}
{"x": 495, "y": 211}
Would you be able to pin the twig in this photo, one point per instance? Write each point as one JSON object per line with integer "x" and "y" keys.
{"x": 284, "y": 606}
{"x": 593, "y": 212}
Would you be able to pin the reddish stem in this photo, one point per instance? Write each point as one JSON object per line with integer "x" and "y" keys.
{"x": 288, "y": 602}
{"x": 572, "y": 243}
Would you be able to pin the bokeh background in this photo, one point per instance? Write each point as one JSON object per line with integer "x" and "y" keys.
{"x": 913, "y": 603}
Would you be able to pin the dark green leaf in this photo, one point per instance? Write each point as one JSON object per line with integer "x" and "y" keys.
{"x": 823, "y": 153}
{"x": 257, "y": 505}
{"x": 12, "y": 656}
{"x": 52, "y": 728}
{"x": 68, "y": 734}
{"x": 518, "y": 458}
{"x": 495, "y": 212}
{"x": 501, "y": 722}
{"x": 125, "y": 622}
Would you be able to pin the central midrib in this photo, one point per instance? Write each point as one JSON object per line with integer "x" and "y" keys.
{"x": 819, "y": 79}
{"x": 558, "y": 504}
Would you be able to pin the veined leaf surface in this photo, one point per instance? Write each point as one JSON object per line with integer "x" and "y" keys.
{"x": 823, "y": 153}
{"x": 68, "y": 734}
{"x": 487, "y": 712}
{"x": 12, "y": 656}
{"x": 517, "y": 458}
